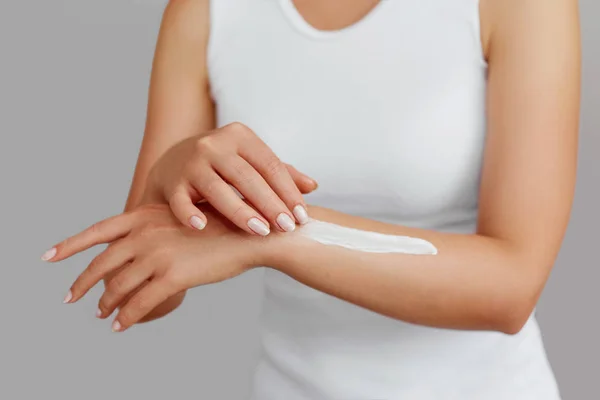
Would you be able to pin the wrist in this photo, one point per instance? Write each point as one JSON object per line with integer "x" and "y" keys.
{"x": 281, "y": 250}
{"x": 152, "y": 193}
{"x": 286, "y": 247}
{"x": 266, "y": 251}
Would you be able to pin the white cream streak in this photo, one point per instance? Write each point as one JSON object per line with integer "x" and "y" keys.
{"x": 356, "y": 239}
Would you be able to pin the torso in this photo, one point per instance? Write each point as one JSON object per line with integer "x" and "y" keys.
{"x": 331, "y": 15}
{"x": 383, "y": 103}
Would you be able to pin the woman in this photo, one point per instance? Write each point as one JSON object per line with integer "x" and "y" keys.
{"x": 451, "y": 122}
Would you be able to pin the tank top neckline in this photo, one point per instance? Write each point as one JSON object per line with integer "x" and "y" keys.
{"x": 299, "y": 22}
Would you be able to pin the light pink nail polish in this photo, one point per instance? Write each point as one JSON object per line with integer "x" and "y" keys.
{"x": 300, "y": 214}
{"x": 49, "y": 254}
{"x": 68, "y": 297}
{"x": 98, "y": 313}
{"x": 258, "y": 226}
{"x": 285, "y": 222}
{"x": 197, "y": 222}
{"x": 116, "y": 326}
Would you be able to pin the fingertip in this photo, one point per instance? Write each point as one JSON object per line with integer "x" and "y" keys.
{"x": 259, "y": 227}
{"x": 103, "y": 314}
{"x": 68, "y": 298}
{"x": 307, "y": 185}
{"x": 116, "y": 326}
{"x": 285, "y": 222}
{"x": 301, "y": 214}
{"x": 49, "y": 254}
{"x": 310, "y": 183}
{"x": 197, "y": 222}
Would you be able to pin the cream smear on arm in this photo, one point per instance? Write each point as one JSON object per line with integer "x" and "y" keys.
{"x": 356, "y": 239}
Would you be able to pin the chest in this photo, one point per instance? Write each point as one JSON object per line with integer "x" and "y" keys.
{"x": 387, "y": 125}
{"x": 332, "y": 14}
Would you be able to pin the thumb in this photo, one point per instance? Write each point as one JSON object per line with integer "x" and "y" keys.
{"x": 185, "y": 211}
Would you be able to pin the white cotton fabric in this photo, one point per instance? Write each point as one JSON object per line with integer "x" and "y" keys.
{"x": 388, "y": 115}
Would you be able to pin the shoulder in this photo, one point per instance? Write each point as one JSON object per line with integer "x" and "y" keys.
{"x": 195, "y": 6}
{"x": 502, "y": 19}
{"x": 188, "y": 18}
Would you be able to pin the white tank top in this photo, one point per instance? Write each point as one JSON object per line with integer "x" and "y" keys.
{"x": 388, "y": 115}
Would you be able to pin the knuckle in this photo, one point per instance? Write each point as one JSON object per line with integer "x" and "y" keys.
{"x": 139, "y": 304}
{"x": 163, "y": 255}
{"x": 197, "y": 176}
{"x": 273, "y": 165}
{"x": 238, "y": 212}
{"x": 63, "y": 245}
{"x": 174, "y": 280}
{"x": 116, "y": 285}
{"x": 137, "y": 307}
{"x": 148, "y": 229}
{"x": 177, "y": 195}
{"x": 210, "y": 186}
{"x": 95, "y": 228}
{"x": 136, "y": 234}
{"x": 151, "y": 226}
{"x": 190, "y": 167}
{"x": 243, "y": 176}
{"x": 205, "y": 145}
{"x": 238, "y": 128}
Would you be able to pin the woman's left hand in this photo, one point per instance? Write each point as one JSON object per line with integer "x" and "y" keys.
{"x": 156, "y": 258}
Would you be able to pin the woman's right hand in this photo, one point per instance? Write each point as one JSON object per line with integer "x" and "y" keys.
{"x": 201, "y": 168}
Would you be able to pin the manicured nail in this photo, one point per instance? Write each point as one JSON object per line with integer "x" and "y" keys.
{"x": 116, "y": 326}
{"x": 49, "y": 254}
{"x": 98, "y": 313}
{"x": 258, "y": 226}
{"x": 197, "y": 222}
{"x": 68, "y": 297}
{"x": 285, "y": 222}
{"x": 301, "y": 214}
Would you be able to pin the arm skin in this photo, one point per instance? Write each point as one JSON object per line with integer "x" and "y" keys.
{"x": 490, "y": 280}
{"x": 179, "y": 104}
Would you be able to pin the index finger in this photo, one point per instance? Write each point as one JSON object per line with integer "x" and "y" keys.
{"x": 276, "y": 173}
{"x": 103, "y": 231}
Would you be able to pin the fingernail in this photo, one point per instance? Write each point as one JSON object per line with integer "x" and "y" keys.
{"x": 285, "y": 222}
{"x": 300, "y": 214}
{"x": 197, "y": 222}
{"x": 68, "y": 297}
{"x": 98, "y": 313}
{"x": 49, "y": 254}
{"x": 258, "y": 226}
{"x": 116, "y": 326}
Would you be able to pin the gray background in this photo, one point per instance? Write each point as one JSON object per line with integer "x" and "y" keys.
{"x": 73, "y": 86}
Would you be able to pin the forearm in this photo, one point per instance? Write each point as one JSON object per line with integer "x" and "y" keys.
{"x": 179, "y": 104}
{"x": 473, "y": 282}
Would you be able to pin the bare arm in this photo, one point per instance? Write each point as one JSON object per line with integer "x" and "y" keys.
{"x": 179, "y": 104}
{"x": 492, "y": 279}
